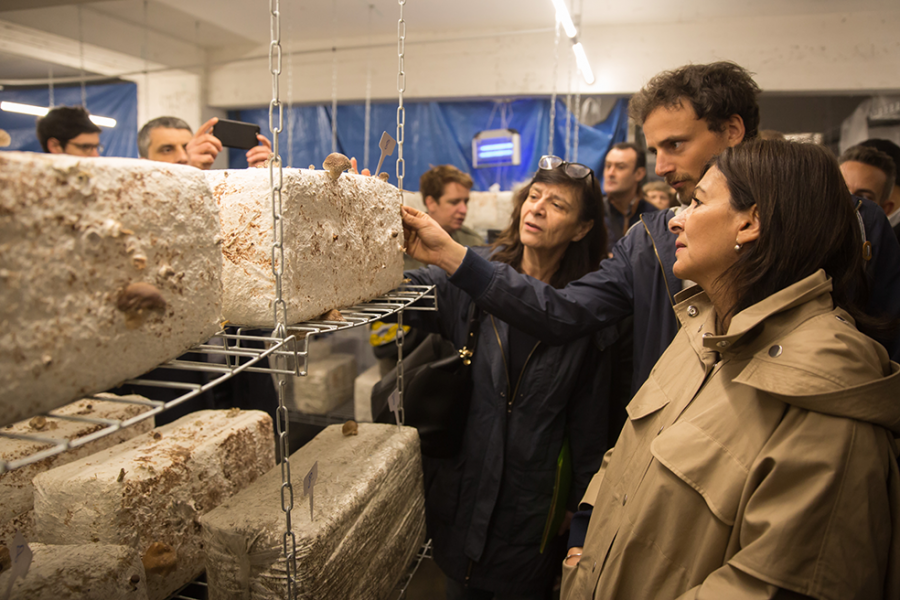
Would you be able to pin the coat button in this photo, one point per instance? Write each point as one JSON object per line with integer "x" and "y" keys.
{"x": 594, "y": 568}
{"x": 624, "y": 499}
{"x": 840, "y": 318}
{"x": 775, "y": 351}
{"x": 503, "y": 394}
{"x": 707, "y": 334}
{"x": 722, "y": 344}
{"x": 692, "y": 311}
{"x": 661, "y": 427}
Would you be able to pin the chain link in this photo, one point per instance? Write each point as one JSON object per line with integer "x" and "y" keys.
{"x": 401, "y": 171}
{"x": 553, "y": 97}
{"x": 401, "y": 87}
{"x": 279, "y": 308}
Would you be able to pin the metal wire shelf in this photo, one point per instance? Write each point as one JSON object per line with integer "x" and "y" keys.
{"x": 197, "y": 589}
{"x": 229, "y": 354}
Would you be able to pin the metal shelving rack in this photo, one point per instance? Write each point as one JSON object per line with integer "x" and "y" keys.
{"x": 234, "y": 355}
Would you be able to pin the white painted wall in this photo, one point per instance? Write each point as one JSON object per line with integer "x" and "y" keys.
{"x": 802, "y": 53}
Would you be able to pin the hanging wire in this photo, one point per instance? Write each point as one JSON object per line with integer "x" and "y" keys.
{"x": 50, "y": 78}
{"x": 368, "y": 94}
{"x": 577, "y": 92}
{"x": 334, "y": 68}
{"x": 81, "y": 60}
{"x": 145, "y": 52}
{"x": 569, "y": 108}
{"x": 553, "y": 97}
{"x": 290, "y": 99}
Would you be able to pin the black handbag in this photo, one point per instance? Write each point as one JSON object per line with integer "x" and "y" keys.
{"x": 437, "y": 391}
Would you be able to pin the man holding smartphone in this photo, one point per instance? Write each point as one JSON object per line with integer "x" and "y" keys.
{"x": 170, "y": 139}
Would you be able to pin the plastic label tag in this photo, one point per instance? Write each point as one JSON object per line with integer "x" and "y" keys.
{"x": 309, "y": 482}
{"x": 394, "y": 404}
{"x": 21, "y": 561}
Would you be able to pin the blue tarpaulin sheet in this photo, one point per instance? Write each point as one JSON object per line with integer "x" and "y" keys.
{"x": 436, "y": 133}
{"x": 116, "y": 100}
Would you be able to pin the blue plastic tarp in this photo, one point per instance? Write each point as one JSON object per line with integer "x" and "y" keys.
{"x": 116, "y": 100}
{"x": 436, "y": 133}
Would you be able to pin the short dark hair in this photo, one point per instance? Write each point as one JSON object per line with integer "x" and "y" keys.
{"x": 889, "y": 148}
{"x": 432, "y": 182}
{"x": 581, "y": 257}
{"x": 716, "y": 91}
{"x": 165, "y": 122}
{"x": 64, "y": 123}
{"x": 868, "y": 155}
{"x": 807, "y": 222}
{"x": 640, "y": 161}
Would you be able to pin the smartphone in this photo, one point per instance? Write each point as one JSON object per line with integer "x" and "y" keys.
{"x": 236, "y": 134}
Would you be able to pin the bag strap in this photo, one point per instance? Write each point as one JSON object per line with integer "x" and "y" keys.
{"x": 468, "y": 349}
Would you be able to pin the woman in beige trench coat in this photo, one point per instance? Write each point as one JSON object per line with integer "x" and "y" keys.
{"x": 759, "y": 459}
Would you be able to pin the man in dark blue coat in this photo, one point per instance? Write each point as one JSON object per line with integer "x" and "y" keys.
{"x": 688, "y": 115}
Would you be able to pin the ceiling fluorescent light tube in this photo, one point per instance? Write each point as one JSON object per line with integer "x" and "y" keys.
{"x": 40, "y": 111}
{"x": 562, "y": 16}
{"x": 25, "y": 109}
{"x": 583, "y": 64}
{"x": 103, "y": 121}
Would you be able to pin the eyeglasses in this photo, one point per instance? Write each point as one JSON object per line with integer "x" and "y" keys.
{"x": 548, "y": 162}
{"x": 87, "y": 148}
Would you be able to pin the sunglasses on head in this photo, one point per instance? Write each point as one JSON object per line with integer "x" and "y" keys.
{"x": 548, "y": 162}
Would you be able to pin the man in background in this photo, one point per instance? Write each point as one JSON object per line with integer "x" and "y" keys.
{"x": 869, "y": 173}
{"x": 623, "y": 172}
{"x": 69, "y": 130}
{"x": 893, "y": 203}
{"x": 170, "y": 139}
{"x": 445, "y": 191}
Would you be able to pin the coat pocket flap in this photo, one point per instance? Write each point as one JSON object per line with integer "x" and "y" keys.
{"x": 649, "y": 399}
{"x": 705, "y": 465}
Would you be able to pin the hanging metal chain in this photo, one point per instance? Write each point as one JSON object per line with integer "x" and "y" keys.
{"x": 553, "y": 97}
{"x": 401, "y": 171}
{"x": 401, "y": 87}
{"x": 276, "y": 179}
{"x": 290, "y": 99}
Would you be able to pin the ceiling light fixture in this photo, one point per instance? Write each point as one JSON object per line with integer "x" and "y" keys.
{"x": 40, "y": 111}
{"x": 562, "y": 16}
{"x": 583, "y": 65}
{"x": 565, "y": 19}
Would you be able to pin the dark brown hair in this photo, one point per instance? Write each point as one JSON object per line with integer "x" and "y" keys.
{"x": 716, "y": 91}
{"x": 807, "y": 222}
{"x": 432, "y": 182}
{"x": 640, "y": 160}
{"x": 581, "y": 257}
{"x": 64, "y": 123}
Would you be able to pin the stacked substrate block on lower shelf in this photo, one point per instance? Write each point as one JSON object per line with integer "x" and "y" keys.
{"x": 369, "y": 521}
{"x": 83, "y": 572}
{"x": 148, "y": 493}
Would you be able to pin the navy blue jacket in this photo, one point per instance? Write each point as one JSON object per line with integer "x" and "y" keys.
{"x": 639, "y": 280}
{"x": 486, "y": 508}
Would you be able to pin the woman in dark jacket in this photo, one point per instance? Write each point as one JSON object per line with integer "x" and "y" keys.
{"x": 488, "y": 506}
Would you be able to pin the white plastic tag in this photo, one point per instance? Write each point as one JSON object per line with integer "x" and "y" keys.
{"x": 394, "y": 404}
{"x": 309, "y": 482}
{"x": 21, "y": 556}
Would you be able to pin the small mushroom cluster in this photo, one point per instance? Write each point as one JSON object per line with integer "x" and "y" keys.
{"x": 336, "y": 163}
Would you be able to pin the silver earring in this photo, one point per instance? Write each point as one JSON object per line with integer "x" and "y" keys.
{"x": 737, "y": 247}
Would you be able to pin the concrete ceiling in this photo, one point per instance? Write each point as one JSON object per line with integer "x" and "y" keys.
{"x": 182, "y": 33}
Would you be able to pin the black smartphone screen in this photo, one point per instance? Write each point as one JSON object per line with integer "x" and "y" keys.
{"x": 236, "y": 134}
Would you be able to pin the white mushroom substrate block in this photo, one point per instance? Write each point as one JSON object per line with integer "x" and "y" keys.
{"x": 108, "y": 267}
{"x": 148, "y": 493}
{"x": 80, "y": 572}
{"x": 369, "y": 521}
{"x": 343, "y": 242}
{"x": 16, "y": 490}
